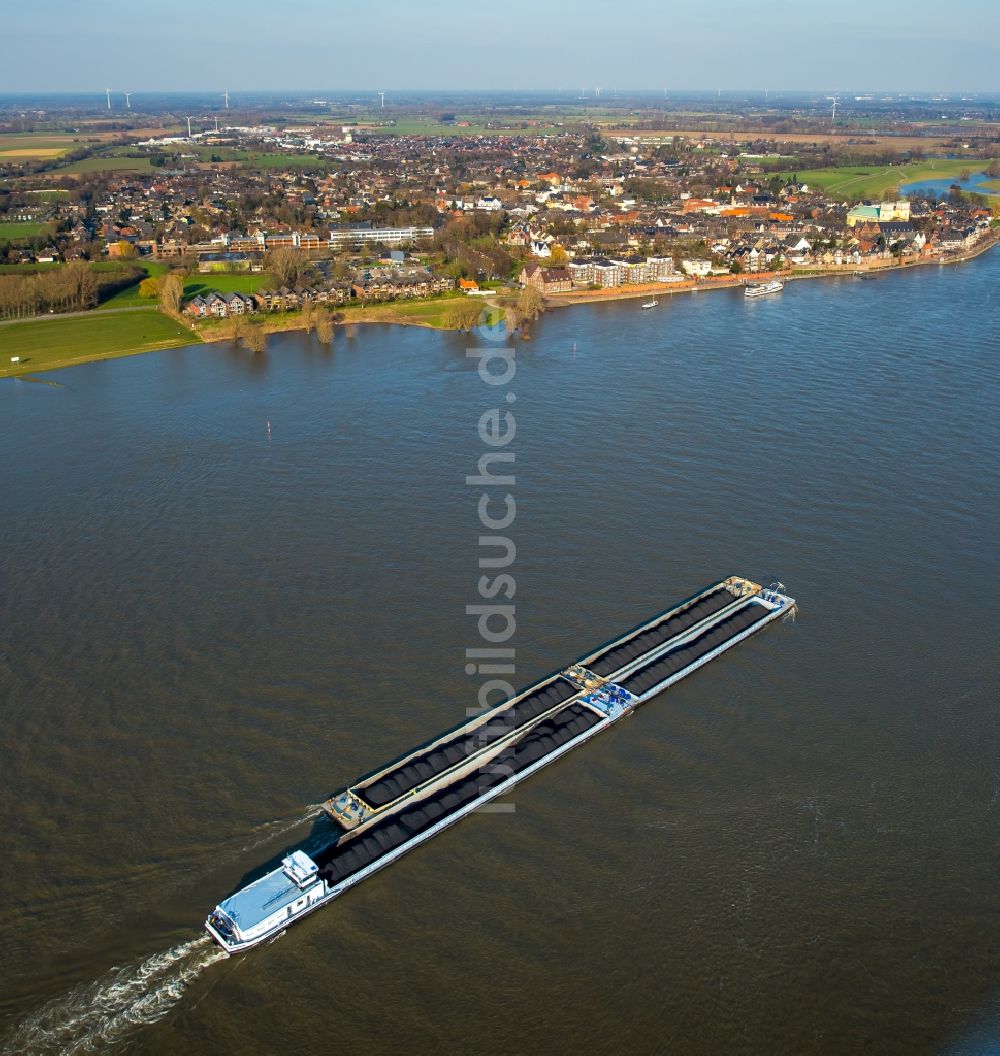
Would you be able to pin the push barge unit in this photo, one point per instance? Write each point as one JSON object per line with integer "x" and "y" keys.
{"x": 388, "y": 812}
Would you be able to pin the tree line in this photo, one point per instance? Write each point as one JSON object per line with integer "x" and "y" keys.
{"x": 73, "y": 288}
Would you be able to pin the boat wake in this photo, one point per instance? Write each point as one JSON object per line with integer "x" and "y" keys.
{"x": 101, "y": 1015}
{"x": 104, "y": 1014}
{"x": 271, "y": 830}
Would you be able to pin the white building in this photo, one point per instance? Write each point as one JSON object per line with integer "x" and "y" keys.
{"x": 343, "y": 237}
{"x": 696, "y": 267}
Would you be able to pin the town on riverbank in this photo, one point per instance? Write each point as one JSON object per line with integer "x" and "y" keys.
{"x": 137, "y": 238}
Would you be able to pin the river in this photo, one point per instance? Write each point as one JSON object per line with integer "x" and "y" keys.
{"x": 977, "y": 183}
{"x": 232, "y": 583}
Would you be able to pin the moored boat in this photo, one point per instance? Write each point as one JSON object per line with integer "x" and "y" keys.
{"x": 762, "y": 289}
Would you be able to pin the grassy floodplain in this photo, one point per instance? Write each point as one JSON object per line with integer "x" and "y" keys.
{"x": 431, "y": 312}
{"x": 62, "y": 341}
{"x": 853, "y": 183}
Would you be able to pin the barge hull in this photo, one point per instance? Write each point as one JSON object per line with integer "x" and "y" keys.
{"x": 704, "y": 627}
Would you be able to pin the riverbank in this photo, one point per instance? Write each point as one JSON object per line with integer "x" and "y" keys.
{"x": 725, "y": 282}
{"x": 52, "y": 342}
{"x": 429, "y": 313}
{"x": 58, "y": 341}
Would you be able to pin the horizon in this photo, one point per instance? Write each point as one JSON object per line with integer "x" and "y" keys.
{"x": 660, "y": 49}
{"x": 621, "y": 94}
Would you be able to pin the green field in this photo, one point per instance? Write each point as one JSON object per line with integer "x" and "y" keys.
{"x": 129, "y": 297}
{"x": 108, "y": 163}
{"x": 286, "y": 161}
{"x": 432, "y": 311}
{"x": 225, "y": 282}
{"x": 22, "y": 229}
{"x": 63, "y": 341}
{"x": 29, "y": 269}
{"x": 418, "y": 126}
{"x": 854, "y": 183}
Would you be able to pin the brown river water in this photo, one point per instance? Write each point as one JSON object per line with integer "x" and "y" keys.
{"x": 230, "y": 584}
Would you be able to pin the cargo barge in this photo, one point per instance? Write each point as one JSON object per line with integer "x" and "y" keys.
{"x": 390, "y": 811}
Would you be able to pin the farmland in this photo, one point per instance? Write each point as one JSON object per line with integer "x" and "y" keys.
{"x": 107, "y": 163}
{"x": 419, "y": 126}
{"x": 29, "y": 146}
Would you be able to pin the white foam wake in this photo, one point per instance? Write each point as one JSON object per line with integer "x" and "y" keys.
{"x": 271, "y": 830}
{"x": 103, "y": 1014}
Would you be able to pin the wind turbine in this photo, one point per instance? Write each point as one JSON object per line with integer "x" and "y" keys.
{"x": 833, "y": 112}
{"x": 128, "y": 100}
{"x": 108, "y": 90}
{"x": 189, "y": 128}
{"x": 381, "y": 96}
{"x": 225, "y": 95}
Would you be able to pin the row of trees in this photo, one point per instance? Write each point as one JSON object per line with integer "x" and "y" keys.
{"x": 254, "y": 335}
{"x": 73, "y": 288}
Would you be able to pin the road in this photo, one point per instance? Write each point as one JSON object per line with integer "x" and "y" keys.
{"x": 71, "y": 315}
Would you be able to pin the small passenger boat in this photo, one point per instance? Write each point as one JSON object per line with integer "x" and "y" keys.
{"x": 762, "y": 289}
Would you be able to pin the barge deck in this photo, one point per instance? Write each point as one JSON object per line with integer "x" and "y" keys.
{"x": 394, "y": 809}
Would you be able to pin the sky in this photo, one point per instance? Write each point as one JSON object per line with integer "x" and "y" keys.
{"x": 802, "y": 45}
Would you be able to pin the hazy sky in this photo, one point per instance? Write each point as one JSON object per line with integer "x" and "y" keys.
{"x": 315, "y": 44}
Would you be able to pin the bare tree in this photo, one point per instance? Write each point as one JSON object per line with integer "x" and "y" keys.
{"x": 341, "y": 268}
{"x": 530, "y": 304}
{"x": 286, "y": 265}
{"x": 463, "y": 315}
{"x": 255, "y": 337}
{"x": 171, "y": 293}
{"x": 324, "y": 327}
